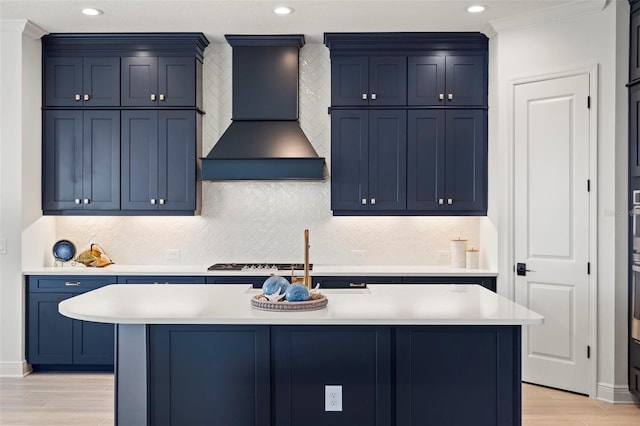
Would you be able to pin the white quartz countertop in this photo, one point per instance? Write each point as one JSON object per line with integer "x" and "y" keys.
{"x": 318, "y": 270}
{"x": 379, "y": 304}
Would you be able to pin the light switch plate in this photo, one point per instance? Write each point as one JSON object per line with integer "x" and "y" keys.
{"x": 333, "y": 398}
{"x": 3, "y": 246}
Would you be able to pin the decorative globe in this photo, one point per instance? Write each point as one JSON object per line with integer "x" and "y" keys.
{"x": 296, "y": 293}
{"x": 274, "y": 283}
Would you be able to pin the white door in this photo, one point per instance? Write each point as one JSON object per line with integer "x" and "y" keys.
{"x": 551, "y": 130}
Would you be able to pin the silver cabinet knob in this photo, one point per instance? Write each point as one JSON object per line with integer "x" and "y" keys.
{"x": 70, "y": 284}
{"x": 440, "y": 201}
{"x": 161, "y": 96}
{"x": 153, "y": 201}
{"x": 364, "y": 201}
{"x": 373, "y": 201}
{"x": 450, "y": 96}
{"x": 87, "y": 201}
{"x": 374, "y": 96}
{"x": 77, "y": 97}
{"x": 364, "y": 96}
{"x": 162, "y": 201}
{"x": 153, "y": 96}
{"x": 441, "y": 96}
{"x": 86, "y": 97}
{"x": 449, "y": 201}
{"x": 78, "y": 201}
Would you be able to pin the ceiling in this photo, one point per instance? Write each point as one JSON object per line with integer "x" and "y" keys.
{"x": 311, "y": 17}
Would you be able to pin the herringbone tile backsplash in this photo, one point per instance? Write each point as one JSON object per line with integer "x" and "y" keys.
{"x": 264, "y": 221}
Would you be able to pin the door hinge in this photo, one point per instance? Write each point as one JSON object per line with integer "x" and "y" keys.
{"x": 588, "y": 352}
{"x": 589, "y": 102}
{"x": 588, "y": 185}
{"x": 588, "y": 268}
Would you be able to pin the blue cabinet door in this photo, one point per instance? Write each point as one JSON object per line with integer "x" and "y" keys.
{"x": 81, "y": 160}
{"x": 93, "y": 343}
{"x": 425, "y": 160}
{"x": 634, "y": 50}
{"x": 466, "y": 80}
{"x": 176, "y": 81}
{"x": 81, "y": 82}
{"x": 62, "y": 161}
{"x": 387, "y": 160}
{"x": 350, "y": 81}
{"x": 101, "y": 160}
{"x": 634, "y": 133}
{"x": 159, "y": 160}
{"x": 49, "y": 334}
{"x": 349, "y": 160}
{"x": 387, "y": 80}
{"x": 426, "y": 80}
{"x": 139, "y": 165}
{"x": 466, "y": 160}
{"x": 160, "y": 279}
{"x": 139, "y": 81}
{"x": 177, "y": 160}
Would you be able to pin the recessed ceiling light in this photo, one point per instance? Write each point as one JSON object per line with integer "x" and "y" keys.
{"x": 92, "y": 12}
{"x": 283, "y": 10}
{"x": 475, "y": 9}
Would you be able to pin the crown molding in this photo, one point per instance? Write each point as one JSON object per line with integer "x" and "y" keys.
{"x": 23, "y": 26}
{"x": 554, "y": 13}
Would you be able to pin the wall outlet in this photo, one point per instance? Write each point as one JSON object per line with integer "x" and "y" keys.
{"x": 333, "y": 398}
{"x": 172, "y": 254}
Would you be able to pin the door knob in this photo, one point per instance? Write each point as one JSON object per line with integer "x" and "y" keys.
{"x": 441, "y": 96}
{"x": 374, "y": 96}
{"x": 441, "y": 201}
{"x": 364, "y": 201}
{"x": 161, "y": 96}
{"x": 364, "y": 96}
{"x": 450, "y": 96}
{"x": 77, "y": 97}
{"x": 86, "y": 97}
{"x": 521, "y": 269}
{"x": 87, "y": 201}
{"x": 153, "y": 96}
{"x": 153, "y": 201}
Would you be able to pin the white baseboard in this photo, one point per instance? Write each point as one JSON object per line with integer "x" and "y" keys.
{"x": 614, "y": 394}
{"x": 14, "y": 369}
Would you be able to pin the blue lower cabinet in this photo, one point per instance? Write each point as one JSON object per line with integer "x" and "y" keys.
{"x": 256, "y": 282}
{"x": 486, "y": 282}
{"x": 160, "y": 279}
{"x": 457, "y": 375}
{"x": 209, "y": 375}
{"x": 308, "y": 358}
{"x": 57, "y": 342}
{"x": 352, "y": 282}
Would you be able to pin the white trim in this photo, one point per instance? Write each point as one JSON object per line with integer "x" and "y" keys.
{"x": 615, "y": 394}
{"x": 23, "y": 26}
{"x": 592, "y": 73}
{"x": 550, "y": 14}
{"x": 14, "y": 369}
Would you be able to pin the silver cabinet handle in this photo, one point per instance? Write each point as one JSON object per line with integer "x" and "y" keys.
{"x": 162, "y": 201}
{"x": 440, "y": 201}
{"x": 161, "y": 96}
{"x": 374, "y": 96}
{"x": 87, "y": 201}
{"x": 153, "y": 201}
{"x": 76, "y": 284}
{"x": 77, "y": 97}
{"x": 373, "y": 201}
{"x": 449, "y": 201}
{"x": 153, "y": 96}
{"x": 78, "y": 201}
{"x": 441, "y": 96}
{"x": 364, "y": 96}
{"x": 358, "y": 285}
{"x": 364, "y": 201}
{"x": 86, "y": 97}
{"x": 450, "y": 96}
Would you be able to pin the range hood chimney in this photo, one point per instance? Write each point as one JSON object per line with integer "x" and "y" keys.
{"x": 264, "y": 140}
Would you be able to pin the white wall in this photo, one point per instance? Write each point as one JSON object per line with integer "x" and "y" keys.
{"x": 264, "y": 221}
{"x": 19, "y": 139}
{"x": 580, "y": 42}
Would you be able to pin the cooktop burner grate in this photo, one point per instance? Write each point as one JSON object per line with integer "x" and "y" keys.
{"x": 257, "y": 266}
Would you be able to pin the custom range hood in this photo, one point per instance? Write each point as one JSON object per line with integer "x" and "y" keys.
{"x": 264, "y": 140}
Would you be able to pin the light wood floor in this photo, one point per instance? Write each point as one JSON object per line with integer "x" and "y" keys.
{"x": 87, "y": 400}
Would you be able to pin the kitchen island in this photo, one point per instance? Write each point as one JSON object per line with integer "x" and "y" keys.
{"x": 401, "y": 354}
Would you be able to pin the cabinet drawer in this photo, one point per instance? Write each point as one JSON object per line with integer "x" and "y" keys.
{"x": 487, "y": 282}
{"x": 634, "y": 381}
{"x": 352, "y": 282}
{"x": 160, "y": 279}
{"x": 634, "y": 354}
{"x": 68, "y": 284}
{"x": 256, "y": 282}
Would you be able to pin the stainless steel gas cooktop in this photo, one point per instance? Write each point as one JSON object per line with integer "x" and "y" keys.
{"x": 257, "y": 266}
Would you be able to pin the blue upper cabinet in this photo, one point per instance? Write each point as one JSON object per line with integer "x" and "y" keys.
{"x": 408, "y": 123}
{"x": 72, "y": 81}
{"x": 369, "y": 80}
{"x": 158, "y": 81}
{"x": 455, "y": 80}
